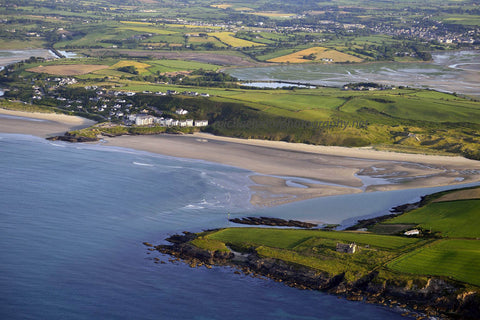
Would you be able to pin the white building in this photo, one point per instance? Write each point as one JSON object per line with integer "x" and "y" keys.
{"x": 413, "y": 232}
{"x": 201, "y": 123}
{"x": 144, "y": 120}
{"x": 181, "y": 111}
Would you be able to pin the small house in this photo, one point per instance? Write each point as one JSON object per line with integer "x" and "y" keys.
{"x": 413, "y": 232}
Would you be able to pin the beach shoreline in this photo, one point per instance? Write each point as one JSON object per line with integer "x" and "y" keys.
{"x": 44, "y": 125}
{"x": 282, "y": 172}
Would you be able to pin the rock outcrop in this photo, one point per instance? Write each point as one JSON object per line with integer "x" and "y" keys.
{"x": 266, "y": 221}
{"x": 72, "y": 138}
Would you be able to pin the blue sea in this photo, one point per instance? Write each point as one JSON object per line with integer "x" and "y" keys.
{"x": 73, "y": 218}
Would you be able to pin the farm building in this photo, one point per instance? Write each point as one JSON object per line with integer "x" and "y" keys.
{"x": 413, "y": 232}
{"x": 346, "y": 248}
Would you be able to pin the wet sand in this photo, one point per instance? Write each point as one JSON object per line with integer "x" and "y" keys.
{"x": 286, "y": 172}
{"x": 40, "y": 124}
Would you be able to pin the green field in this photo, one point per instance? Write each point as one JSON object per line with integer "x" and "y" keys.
{"x": 289, "y": 239}
{"x": 458, "y": 259}
{"x": 471, "y": 20}
{"x": 452, "y": 219}
{"x": 314, "y": 249}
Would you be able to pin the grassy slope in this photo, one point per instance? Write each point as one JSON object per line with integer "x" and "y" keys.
{"x": 288, "y": 239}
{"x": 452, "y": 218}
{"x": 458, "y": 259}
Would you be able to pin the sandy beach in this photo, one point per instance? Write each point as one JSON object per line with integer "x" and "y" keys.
{"x": 281, "y": 172}
{"x": 40, "y": 124}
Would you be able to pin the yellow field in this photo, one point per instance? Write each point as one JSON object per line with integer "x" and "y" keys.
{"x": 141, "y": 67}
{"x": 221, "y": 6}
{"x": 229, "y": 39}
{"x": 243, "y": 9}
{"x": 190, "y": 26}
{"x": 320, "y": 53}
{"x": 68, "y": 69}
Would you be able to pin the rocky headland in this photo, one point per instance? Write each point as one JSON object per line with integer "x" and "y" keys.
{"x": 437, "y": 297}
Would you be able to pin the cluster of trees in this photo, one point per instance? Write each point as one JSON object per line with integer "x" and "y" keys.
{"x": 200, "y": 78}
{"x": 128, "y": 69}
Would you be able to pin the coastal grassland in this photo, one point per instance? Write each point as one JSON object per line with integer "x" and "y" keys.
{"x": 18, "y": 106}
{"x": 117, "y": 130}
{"x": 451, "y": 218}
{"x": 316, "y": 249}
{"x": 229, "y": 39}
{"x": 210, "y": 244}
{"x": 9, "y": 44}
{"x": 318, "y": 54}
{"x": 291, "y": 238}
{"x": 456, "y": 258}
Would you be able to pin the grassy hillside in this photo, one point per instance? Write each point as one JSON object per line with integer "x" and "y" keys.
{"x": 458, "y": 259}
{"x": 451, "y": 218}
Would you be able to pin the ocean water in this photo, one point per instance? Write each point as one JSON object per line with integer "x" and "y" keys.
{"x": 72, "y": 221}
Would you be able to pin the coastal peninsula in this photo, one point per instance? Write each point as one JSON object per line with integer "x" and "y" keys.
{"x": 403, "y": 260}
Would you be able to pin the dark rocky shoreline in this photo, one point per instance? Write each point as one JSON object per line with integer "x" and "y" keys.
{"x": 438, "y": 297}
{"x": 68, "y": 137}
{"x": 276, "y": 222}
